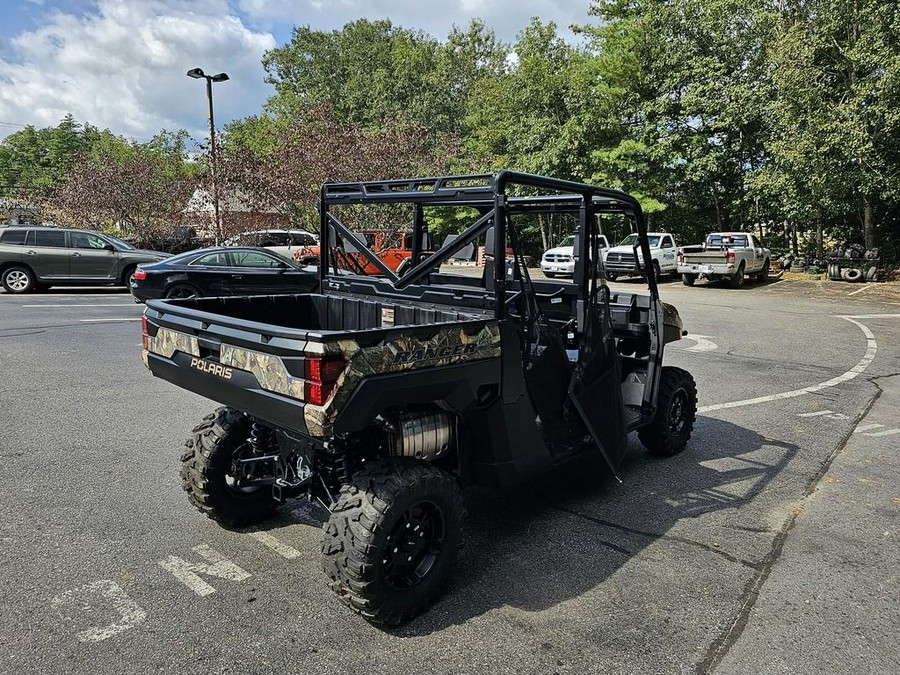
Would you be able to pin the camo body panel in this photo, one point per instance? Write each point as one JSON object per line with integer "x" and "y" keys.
{"x": 268, "y": 370}
{"x": 166, "y": 342}
{"x": 388, "y": 357}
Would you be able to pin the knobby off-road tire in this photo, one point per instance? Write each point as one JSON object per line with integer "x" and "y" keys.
{"x": 688, "y": 279}
{"x": 676, "y": 410}
{"x": 207, "y": 471}
{"x": 392, "y": 538}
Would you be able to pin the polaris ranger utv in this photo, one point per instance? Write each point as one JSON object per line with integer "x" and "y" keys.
{"x": 382, "y": 395}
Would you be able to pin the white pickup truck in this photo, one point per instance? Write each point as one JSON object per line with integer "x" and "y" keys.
{"x": 625, "y": 260}
{"x": 726, "y": 256}
{"x": 561, "y": 260}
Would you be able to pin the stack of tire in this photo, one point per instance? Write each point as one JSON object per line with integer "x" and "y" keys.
{"x": 853, "y": 263}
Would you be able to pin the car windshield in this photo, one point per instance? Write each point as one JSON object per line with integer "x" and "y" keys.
{"x": 632, "y": 240}
{"x": 118, "y": 243}
{"x": 568, "y": 241}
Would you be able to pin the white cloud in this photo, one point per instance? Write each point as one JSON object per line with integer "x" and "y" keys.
{"x": 122, "y": 65}
{"x": 505, "y": 17}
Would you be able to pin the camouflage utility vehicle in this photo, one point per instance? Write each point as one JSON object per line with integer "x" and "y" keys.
{"x": 382, "y": 395}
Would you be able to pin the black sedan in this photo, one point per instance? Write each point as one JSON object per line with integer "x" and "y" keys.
{"x": 222, "y": 271}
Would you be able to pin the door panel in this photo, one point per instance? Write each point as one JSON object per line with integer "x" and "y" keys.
{"x": 88, "y": 259}
{"x": 45, "y": 251}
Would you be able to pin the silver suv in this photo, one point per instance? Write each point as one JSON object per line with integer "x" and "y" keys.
{"x": 35, "y": 258}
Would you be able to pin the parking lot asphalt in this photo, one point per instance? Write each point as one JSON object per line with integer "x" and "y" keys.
{"x": 769, "y": 545}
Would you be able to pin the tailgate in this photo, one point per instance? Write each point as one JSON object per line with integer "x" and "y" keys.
{"x": 260, "y": 374}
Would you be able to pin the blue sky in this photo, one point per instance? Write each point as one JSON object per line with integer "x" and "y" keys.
{"x": 121, "y": 64}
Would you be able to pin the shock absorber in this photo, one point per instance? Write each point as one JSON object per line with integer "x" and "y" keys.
{"x": 261, "y": 438}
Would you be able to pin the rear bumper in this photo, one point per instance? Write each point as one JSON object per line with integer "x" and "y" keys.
{"x": 240, "y": 390}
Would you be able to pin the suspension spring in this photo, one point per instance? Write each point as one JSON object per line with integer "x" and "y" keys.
{"x": 262, "y": 438}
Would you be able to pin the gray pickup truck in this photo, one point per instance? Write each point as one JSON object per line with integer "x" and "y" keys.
{"x": 724, "y": 256}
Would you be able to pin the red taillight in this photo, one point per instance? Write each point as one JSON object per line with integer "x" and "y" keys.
{"x": 140, "y": 275}
{"x": 321, "y": 374}
{"x": 145, "y": 339}
{"x": 730, "y": 257}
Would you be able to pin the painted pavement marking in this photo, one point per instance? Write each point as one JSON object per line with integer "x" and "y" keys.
{"x": 130, "y": 614}
{"x": 187, "y": 572}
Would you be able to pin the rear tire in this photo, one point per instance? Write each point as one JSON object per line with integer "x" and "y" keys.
{"x": 18, "y": 279}
{"x": 763, "y": 274}
{"x": 676, "y": 410}
{"x": 376, "y": 568}
{"x": 183, "y": 291}
{"x": 737, "y": 279}
{"x": 207, "y": 471}
{"x": 688, "y": 279}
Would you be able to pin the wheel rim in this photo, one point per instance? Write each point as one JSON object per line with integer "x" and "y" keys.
{"x": 678, "y": 412}
{"x": 239, "y": 472}
{"x": 17, "y": 280}
{"x": 181, "y": 292}
{"x": 414, "y": 546}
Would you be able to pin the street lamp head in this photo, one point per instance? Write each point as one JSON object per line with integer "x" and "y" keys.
{"x": 196, "y": 73}
{"x": 221, "y": 77}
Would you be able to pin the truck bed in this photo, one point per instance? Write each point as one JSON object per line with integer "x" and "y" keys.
{"x": 252, "y": 353}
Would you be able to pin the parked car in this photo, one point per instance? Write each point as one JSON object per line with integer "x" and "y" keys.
{"x": 725, "y": 256}
{"x": 221, "y": 271}
{"x": 625, "y": 260}
{"x": 285, "y": 242}
{"x": 36, "y": 258}
{"x": 561, "y": 259}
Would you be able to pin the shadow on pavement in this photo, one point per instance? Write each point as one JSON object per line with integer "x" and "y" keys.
{"x": 553, "y": 541}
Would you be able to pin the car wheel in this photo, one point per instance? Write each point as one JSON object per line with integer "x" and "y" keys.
{"x": 550, "y": 275}
{"x": 657, "y": 273}
{"x": 688, "y": 279}
{"x": 18, "y": 279}
{"x": 182, "y": 291}
{"x": 737, "y": 279}
{"x": 208, "y": 471}
{"x": 676, "y": 410}
{"x": 764, "y": 272}
{"x": 392, "y": 537}
{"x": 126, "y": 276}
{"x": 611, "y": 277}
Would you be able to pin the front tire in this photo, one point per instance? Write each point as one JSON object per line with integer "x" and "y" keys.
{"x": 208, "y": 471}
{"x": 550, "y": 275}
{"x": 611, "y": 277}
{"x": 688, "y": 279}
{"x": 391, "y": 541}
{"x": 18, "y": 279}
{"x": 676, "y": 410}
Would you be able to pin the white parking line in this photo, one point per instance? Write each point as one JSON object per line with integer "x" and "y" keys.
{"x": 137, "y": 318}
{"x": 108, "y": 304}
{"x": 879, "y": 434}
{"x": 867, "y": 427}
{"x": 815, "y": 414}
{"x": 279, "y": 547}
{"x": 864, "y": 362}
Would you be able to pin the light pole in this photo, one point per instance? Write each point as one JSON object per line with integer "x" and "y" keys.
{"x": 197, "y": 73}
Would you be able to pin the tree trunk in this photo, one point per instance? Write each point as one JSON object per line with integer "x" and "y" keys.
{"x": 819, "y": 243}
{"x": 544, "y": 226}
{"x": 794, "y": 247}
{"x": 869, "y": 223}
